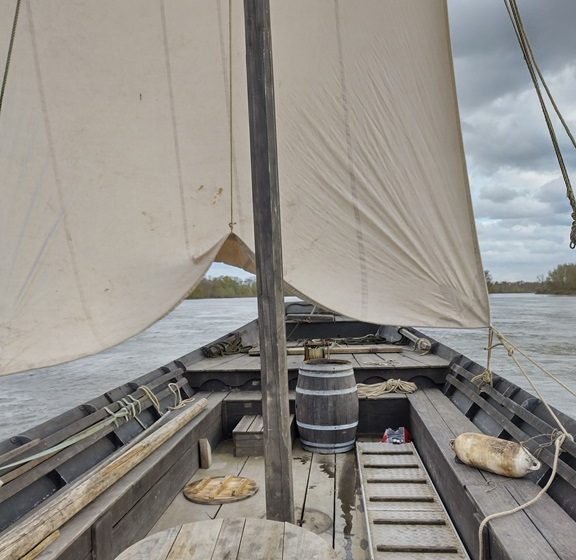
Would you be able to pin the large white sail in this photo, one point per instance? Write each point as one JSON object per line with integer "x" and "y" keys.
{"x": 124, "y": 158}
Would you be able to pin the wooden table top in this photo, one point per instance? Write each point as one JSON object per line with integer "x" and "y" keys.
{"x": 234, "y": 539}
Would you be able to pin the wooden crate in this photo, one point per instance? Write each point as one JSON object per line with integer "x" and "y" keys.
{"x": 248, "y": 436}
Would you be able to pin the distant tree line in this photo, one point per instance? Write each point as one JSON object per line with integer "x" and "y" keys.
{"x": 560, "y": 281}
{"x": 224, "y": 287}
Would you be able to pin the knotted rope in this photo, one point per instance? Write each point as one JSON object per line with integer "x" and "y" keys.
{"x": 130, "y": 410}
{"x": 375, "y": 390}
{"x": 178, "y": 401}
{"x": 485, "y": 378}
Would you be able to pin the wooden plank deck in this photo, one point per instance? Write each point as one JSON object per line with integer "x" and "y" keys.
{"x": 407, "y": 359}
{"x": 325, "y": 495}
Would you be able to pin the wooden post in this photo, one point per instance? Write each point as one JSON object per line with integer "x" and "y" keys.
{"x": 268, "y": 243}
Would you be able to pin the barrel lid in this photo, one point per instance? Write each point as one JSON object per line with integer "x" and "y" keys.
{"x": 326, "y": 365}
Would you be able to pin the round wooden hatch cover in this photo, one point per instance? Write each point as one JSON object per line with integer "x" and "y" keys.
{"x": 220, "y": 489}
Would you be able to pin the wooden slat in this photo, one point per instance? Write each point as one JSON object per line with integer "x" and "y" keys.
{"x": 514, "y": 534}
{"x": 262, "y": 540}
{"x": 349, "y": 524}
{"x": 256, "y": 505}
{"x": 539, "y": 424}
{"x": 182, "y": 510}
{"x": 196, "y": 540}
{"x": 564, "y": 470}
{"x": 26, "y": 474}
{"x": 319, "y": 507}
{"x": 154, "y": 547}
{"x": 301, "y": 463}
{"x": 550, "y": 519}
{"x": 244, "y": 424}
{"x": 229, "y": 539}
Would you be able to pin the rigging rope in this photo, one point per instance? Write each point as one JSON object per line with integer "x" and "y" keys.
{"x": 130, "y": 410}
{"x": 9, "y": 54}
{"x": 561, "y": 437}
{"x": 534, "y": 71}
{"x": 558, "y": 436}
{"x": 485, "y": 378}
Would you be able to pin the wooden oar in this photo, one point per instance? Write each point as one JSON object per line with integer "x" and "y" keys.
{"x": 42, "y": 522}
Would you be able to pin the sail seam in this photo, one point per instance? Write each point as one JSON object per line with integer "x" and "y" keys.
{"x": 175, "y": 130}
{"x": 350, "y": 157}
{"x": 58, "y": 183}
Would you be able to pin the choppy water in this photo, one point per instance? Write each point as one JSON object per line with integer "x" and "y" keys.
{"x": 545, "y": 326}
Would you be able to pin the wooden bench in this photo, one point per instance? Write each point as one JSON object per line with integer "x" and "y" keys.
{"x": 248, "y": 436}
{"x": 544, "y": 530}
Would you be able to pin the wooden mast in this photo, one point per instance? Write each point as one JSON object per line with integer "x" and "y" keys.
{"x": 268, "y": 244}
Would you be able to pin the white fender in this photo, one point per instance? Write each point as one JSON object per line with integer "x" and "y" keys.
{"x": 495, "y": 455}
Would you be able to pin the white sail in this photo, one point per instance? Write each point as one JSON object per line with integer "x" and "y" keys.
{"x": 124, "y": 158}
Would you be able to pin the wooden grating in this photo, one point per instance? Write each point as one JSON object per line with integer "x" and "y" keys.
{"x": 220, "y": 489}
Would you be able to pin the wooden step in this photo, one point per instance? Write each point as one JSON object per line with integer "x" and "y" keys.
{"x": 248, "y": 436}
{"x": 404, "y": 514}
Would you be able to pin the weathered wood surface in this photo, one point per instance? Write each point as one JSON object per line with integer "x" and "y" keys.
{"x": 470, "y": 494}
{"x": 133, "y": 502}
{"x": 233, "y": 539}
{"x": 318, "y": 515}
{"x": 42, "y": 522}
{"x": 181, "y": 510}
{"x": 20, "y": 477}
{"x": 248, "y": 435}
{"x": 349, "y": 525}
{"x": 269, "y": 268}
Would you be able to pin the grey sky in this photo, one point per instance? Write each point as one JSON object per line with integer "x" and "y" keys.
{"x": 522, "y": 214}
{"x": 521, "y": 209}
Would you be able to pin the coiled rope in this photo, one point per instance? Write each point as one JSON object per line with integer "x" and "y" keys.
{"x": 375, "y": 390}
{"x": 558, "y": 437}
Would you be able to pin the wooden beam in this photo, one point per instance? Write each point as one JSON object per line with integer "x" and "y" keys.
{"x": 268, "y": 245}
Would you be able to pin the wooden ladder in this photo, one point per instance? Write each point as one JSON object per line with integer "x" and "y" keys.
{"x": 404, "y": 514}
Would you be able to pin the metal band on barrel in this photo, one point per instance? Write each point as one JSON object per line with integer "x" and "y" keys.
{"x": 328, "y": 445}
{"x": 323, "y": 393}
{"x": 307, "y": 373}
{"x": 316, "y": 427}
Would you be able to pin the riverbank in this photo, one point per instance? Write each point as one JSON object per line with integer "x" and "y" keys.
{"x": 540, "y": 324}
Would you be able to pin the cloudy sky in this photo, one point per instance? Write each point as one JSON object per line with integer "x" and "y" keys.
{"x": 522, "y": 213}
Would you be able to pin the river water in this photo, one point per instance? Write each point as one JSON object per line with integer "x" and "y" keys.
{"x": 543, "y": 326}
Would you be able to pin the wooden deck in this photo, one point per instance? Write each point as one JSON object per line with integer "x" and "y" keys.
{"x": 407, "y": 359}
{"x": 326, "y": 495}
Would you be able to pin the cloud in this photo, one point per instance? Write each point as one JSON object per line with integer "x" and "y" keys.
{"x": 523, "y": 216}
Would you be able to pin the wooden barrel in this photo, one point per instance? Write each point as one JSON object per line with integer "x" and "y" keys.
{"x": 327, "y": 406}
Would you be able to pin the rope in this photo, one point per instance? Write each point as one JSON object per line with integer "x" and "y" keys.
{"x": 375, "y": 390}
{"x": 153, "y": 399}
{"x": 560, "y": 438}
{"x": 511, "y": 350}
{"x": 178, "y": 401}
{"x": 130, "y": 410}
{"x": 485, "y": 378}
{"x": 516, "y": 19}
{"x": 9, "y": 54}
{"x": 125, "y": 413}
